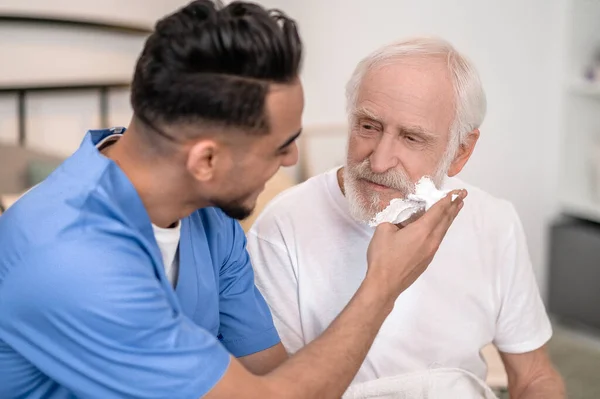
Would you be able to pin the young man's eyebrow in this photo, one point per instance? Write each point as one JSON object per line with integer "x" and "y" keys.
{"x": 290, "y": 140}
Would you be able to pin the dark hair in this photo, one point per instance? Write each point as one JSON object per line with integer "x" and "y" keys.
{"x": 213, "y": 64}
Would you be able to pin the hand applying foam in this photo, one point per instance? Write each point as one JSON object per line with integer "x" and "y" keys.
{"x": 401, "y": 210}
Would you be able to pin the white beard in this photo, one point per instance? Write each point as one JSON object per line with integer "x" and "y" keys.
{"x": 364, "y": 209}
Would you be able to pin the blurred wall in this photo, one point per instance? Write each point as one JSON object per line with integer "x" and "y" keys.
{"x": 39, "y": 54}
{"x": 518, "y": 48}
{"x": 138, "y": 12}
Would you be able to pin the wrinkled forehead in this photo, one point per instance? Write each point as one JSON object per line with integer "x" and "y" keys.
{"x": 412, "y": 92}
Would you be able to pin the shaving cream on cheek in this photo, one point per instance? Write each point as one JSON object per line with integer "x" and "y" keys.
{"x": 402, "y": 209}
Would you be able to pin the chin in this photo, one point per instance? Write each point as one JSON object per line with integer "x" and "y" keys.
{"x": 363, "y": 209}
{"x": 239, "y": 210}
{"x": 250, "y": 204}
{"x": 379, "y": 201}
{"x": 238, "y": 213}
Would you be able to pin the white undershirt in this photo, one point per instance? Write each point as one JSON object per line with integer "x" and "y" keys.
{"x": 167, "y": 239}
{"x": 168, "y": 242}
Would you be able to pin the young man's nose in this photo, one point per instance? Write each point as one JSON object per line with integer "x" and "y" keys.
{"x": 291, "y": 158}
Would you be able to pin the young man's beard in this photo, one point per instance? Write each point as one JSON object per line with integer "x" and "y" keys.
{"x": 238, "y": 212}
{"x": 235, "y": 208}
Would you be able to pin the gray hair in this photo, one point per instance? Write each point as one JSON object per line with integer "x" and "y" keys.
{"x": 470, "y": 100}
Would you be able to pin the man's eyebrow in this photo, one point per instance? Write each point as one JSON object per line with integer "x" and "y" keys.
{"x": 416, "y": 131}
{"x": 290, "y": 140}
{"x": 365, "y": 113}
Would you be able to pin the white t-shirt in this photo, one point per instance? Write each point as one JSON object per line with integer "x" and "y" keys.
{"x": 167, "y": 239}
{"x": 309, "y": 257}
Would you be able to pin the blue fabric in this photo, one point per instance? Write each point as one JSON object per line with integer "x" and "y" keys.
{"x": 86, "y": 309}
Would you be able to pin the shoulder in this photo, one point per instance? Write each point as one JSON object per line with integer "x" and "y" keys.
{"x": 223, "y": 236}
{"x": 298, "y": 201}
{"x": 481, "y": 198}
{"x": 488, "y": 214}
{"x": 46, "y": 217}
{"x": 75, "y": 273}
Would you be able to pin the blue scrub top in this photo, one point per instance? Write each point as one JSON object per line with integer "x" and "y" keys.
{"x": 86, "y": 309}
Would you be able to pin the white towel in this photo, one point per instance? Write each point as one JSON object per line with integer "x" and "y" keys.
{"x": 439, "y": 383}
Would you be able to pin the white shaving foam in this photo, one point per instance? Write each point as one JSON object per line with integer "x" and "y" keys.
{"x": 401, "y": 209}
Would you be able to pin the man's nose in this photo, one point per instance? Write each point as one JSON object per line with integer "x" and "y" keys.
{"x": 384, "y": 157}
{"x": 291, "y": 158}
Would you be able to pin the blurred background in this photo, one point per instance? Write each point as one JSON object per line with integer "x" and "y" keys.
{"x": 65, "y": 67}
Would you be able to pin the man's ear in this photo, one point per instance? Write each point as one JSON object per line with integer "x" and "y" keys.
{"x": 202, "y": 160}
{"x": 464, "y": 153}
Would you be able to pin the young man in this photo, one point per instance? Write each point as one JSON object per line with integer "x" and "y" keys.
{"x": 124, "y": 274}
{"x": 415, "y": 108}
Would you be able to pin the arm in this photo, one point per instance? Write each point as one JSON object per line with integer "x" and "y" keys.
{"x": 325, "y": 367}
{"x": 265, "y": 361}
{"x": 522, "y": 325}
{"x": 531, "y": 376}
{"x": 276, "y": 278}
{"x": 246, "y": 329}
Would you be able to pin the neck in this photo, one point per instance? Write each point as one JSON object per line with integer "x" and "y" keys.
{"x": 158, "y": 182}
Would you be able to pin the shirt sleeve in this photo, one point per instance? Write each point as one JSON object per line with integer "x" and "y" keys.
{"x": 277, "y": 280}
{"x": 95, "y": 319}
{"x": 522, "y": 324}
{"x": 246, "y": 323}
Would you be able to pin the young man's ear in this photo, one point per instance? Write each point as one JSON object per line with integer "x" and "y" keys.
{"x": 464, "y": 153}
{"x": 202, "y": 159}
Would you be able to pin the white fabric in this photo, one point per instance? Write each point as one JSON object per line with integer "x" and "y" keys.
{"x": 168, "y": 242}
{"x": 107, "y": 141}
{"x": 309, "y": 257}
{"x": 434, "y": 384}
{"x": 167, "y": 239}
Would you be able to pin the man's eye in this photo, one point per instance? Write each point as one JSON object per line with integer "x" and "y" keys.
{"x": 411, "y": 139}
{"x": 368, "y": 128}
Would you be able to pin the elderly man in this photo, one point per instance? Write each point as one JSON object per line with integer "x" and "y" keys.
{"x": 414, "y": 108}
